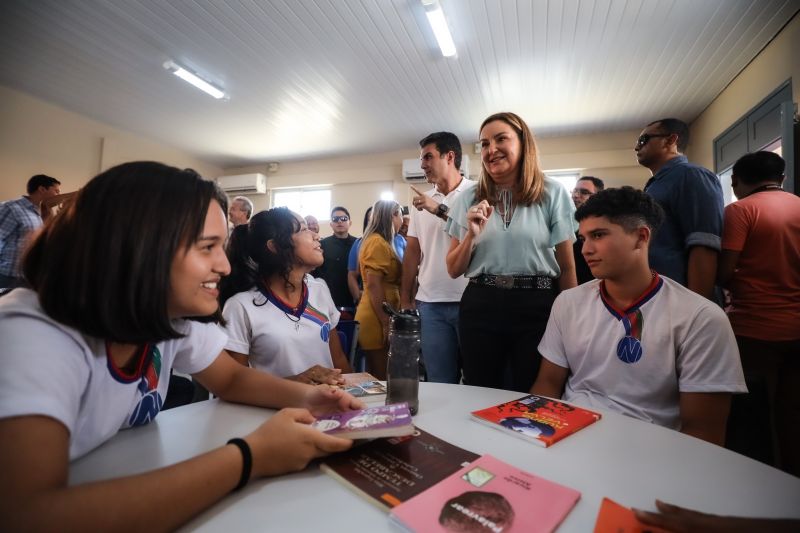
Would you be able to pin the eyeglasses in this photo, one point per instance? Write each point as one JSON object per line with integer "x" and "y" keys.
{"x": 582, "y": 192}
{"x": 645, "y": 138}
{"x": 340, "y": 218}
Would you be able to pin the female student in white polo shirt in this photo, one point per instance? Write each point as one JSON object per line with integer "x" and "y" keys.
{"x": 88, "y": 351}
{"x": 281, "y": 320}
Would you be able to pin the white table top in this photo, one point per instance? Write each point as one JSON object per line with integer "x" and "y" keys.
{"x": 629, "y": 461}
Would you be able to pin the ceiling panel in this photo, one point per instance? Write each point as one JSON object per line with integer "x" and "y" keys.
{"x": 319, "y": 78}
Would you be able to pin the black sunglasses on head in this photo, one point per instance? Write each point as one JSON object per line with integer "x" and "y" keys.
{"x": 645, "y": 138}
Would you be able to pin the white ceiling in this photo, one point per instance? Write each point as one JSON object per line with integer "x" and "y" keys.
{"x": 319, "y": 78}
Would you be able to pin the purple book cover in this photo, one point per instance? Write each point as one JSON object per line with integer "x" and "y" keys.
{"x": 392, "y": 420}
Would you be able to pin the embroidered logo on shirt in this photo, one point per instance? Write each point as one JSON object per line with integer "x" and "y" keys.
{"x": 151, "y": 402}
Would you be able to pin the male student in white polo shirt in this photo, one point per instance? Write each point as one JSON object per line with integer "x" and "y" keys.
{"x": 438, "y": 296}
{"x": 632, "y": 341}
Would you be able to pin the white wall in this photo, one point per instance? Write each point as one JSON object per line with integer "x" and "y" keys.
{"x": 41, "y": 138}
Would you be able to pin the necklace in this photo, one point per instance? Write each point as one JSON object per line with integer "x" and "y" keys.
{"x": 505, "y": 205}
{"x": 292, "y": 314}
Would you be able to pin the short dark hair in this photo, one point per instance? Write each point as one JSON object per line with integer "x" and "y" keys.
{"x": 597, "y": 182}
{"x": 252, "y": 260}
{"x": 103, "y": 264}
{"x": 41, "y": 180}
{"x": 445, "y": 142}
{"x": 625, "y": 206}
{"x": 674, "y": 126}
{"x": 340, "y": 208}
{"x": 759, "y": 166}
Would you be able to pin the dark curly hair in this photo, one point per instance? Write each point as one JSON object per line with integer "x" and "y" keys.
{"x": 625, "y": 206}
{"x": 250, "y": 257}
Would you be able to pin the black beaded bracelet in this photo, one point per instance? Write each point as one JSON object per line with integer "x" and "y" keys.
{"x": 247, "y": 461}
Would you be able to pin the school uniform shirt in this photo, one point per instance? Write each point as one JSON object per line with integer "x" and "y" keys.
{"x": 49, "y": 369}
{"x": 683, "y": 343}
{"x": 278, "y": 339}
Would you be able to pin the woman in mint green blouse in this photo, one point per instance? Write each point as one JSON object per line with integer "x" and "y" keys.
{"x": 512, "y": 237}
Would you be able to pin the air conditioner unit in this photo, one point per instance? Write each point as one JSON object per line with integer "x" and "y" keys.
{"x": 243, "y": 184}
{"x": 412, "y": 173}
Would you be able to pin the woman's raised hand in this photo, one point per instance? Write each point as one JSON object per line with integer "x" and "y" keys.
{"x": 478, "y": 216}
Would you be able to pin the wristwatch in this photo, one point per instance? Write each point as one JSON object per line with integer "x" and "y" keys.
{"x": 441, "y": 211}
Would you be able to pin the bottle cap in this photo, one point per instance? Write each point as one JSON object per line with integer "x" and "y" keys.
{"x": 406, "y": 320}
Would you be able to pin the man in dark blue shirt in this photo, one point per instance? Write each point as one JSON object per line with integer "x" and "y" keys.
{"x": 687, "y": 245}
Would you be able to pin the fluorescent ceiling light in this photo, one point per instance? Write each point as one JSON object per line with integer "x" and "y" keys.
{"x": 387, "y": 196}
{"x": 194, "y": 79}
{"x": 439, "y": 26}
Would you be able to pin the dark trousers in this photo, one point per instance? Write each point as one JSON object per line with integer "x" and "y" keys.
{"x": 500, "y": 330}
{"x": 765, "y": 423}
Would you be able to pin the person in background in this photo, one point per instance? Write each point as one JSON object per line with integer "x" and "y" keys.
{"x": 634, "y": 342}
{"x": 686, "y": 248}
{"x": 584, "y": 189}
{"x": 403, "y": 231}
{"x": 312, "y": 223}
{"x": 89, "y": 350}
{"x": 512, "y": 237}
{"x": 18, "y": 219}
{"x": 240, "y": 211}
{"x": 336, "y": 250}
{"x": 381, "y": 270}
{"x": 354, "y": 281}
{"x": 281, "y": 320}
{"x": 438, "y": 295}
{"x": 760, "y": 265}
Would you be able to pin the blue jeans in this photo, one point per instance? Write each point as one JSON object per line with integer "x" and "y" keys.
{"x": 440, "y": 345}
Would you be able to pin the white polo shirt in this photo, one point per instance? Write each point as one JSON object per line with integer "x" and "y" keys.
{"x": 435, "y": 284}
{"x": 686, "y": 342}
{"x": 277, "y": 339}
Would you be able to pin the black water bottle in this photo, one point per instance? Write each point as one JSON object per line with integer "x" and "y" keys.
{"x": 402, "y": 372}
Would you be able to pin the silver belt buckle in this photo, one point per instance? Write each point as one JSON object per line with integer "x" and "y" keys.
{"x": 504, "y": 282}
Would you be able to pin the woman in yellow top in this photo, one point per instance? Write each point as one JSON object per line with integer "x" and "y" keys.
{"x": 381, "y": 271}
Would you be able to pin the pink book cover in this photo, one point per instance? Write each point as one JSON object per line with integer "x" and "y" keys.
{"x": 393, "y": 420}
{"x": 488, "y": 495}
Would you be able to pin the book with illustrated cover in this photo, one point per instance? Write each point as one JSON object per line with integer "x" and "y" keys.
{"x": 392, "y": 420}
{"x": 537, "y": 419}
{"x": 488, "y": 495}
{"x": 387, "y": 472}
{"x": 365, "y": 386}
{"x": 615, "y": 518}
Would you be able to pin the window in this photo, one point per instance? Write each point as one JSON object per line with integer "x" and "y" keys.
{"x": 567, "y": 178}
{"x": 304, "y": 202}
{"x": 768, "y": 126}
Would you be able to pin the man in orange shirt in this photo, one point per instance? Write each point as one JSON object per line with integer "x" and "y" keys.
{"x": 760, "y": 265}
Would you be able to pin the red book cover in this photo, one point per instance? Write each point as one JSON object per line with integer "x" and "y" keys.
{"x": 387, "y": 472}
{"x": 488, "y": 495}
{"x": 537, "y": 419}
{"x": 615, "y": 518}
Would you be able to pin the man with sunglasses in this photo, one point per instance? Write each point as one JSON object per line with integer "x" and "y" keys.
{"x": 336, "y": 249}
{"x": 584, "y": 189}
{"x": 687, "y": 246}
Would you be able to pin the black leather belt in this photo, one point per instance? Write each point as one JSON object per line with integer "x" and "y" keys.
{"x": 513, "y": 282}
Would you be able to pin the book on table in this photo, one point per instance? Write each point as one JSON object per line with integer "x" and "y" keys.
{"x": 537, "y": 419}
{"x": 488, "y": 495}
{"x": 365, "y": 386}
{"x": 615, "y": 518}
{"x": 393, "y": 420}
{"x": 387, "y": 472}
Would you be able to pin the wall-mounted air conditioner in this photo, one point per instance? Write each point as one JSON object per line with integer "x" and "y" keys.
{"x": 413, "y": 174}
{"x": 243, "y": 184}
